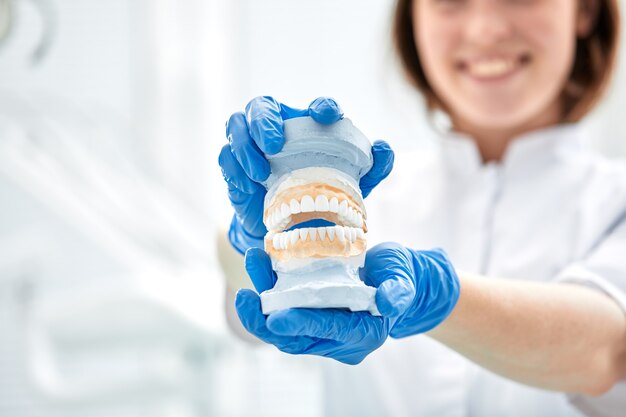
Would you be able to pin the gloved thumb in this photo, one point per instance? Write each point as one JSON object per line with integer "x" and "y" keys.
{"x": 388, "y": 267}
{"x": 259, "y": 268}
{"x": 393, "y": 297}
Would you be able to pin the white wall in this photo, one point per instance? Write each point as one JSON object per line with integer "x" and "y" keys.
{"x": 608, "y": 118}
{"x": 89, "y": 59}
{"x": 297, "y": 51}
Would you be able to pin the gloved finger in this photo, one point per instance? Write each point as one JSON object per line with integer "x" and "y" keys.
{"x": 325, "y": 110}
{"x": 246, "y": 151}
{"x": 338, "y": 325}
{"x": 394, "y": 296}
{"x": 291, "y": 112}
{"x": 265, "y": 124}
{"x": 259, "y": 268}
{"x": 383, "y": 164}
{"x": 389, "y": 268}
{"x": 233, "y": 173}
{"x": 386, "y": 260}
{"x": 240, "y": 238}
{"x": 249, "y": 209}
{"x": 248, "y": 306}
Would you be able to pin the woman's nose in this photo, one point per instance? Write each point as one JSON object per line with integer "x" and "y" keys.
{"x": 486, "y": 23}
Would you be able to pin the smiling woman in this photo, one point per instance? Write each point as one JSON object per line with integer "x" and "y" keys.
{"x": 538, "y": 74}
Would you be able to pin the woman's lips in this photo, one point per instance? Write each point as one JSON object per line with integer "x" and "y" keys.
{"x": 493, "y": 68}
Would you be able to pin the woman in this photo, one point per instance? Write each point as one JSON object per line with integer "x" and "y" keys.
{"x": 536, "y": 327}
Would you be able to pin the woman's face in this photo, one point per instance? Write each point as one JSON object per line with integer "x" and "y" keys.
{"x": 497, "y": 64}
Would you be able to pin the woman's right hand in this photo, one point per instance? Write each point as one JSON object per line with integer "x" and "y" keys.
{"x": 415, "y": 292}
{"x": 258, "y": 131}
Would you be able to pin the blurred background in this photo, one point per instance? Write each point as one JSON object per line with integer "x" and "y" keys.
{"x": 112, "y": 206}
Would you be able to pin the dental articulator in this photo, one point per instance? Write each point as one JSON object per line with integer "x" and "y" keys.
{"x": 316, "y": 178}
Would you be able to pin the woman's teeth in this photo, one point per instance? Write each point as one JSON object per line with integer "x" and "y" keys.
{"x": 491, "y": 67}
{"x": 285, "y": 240}
{"x": 280, "y": 217}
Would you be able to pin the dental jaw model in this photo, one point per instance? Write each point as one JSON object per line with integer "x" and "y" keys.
{"x": 316, "y": 177}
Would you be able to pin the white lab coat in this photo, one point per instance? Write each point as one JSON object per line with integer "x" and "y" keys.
{"x": 551, "y": 210}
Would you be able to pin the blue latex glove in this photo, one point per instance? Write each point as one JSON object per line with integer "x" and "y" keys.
{"x": 259, "y": 130}
{"x": 416, "y": 291}
{"x": 419, "y": 287}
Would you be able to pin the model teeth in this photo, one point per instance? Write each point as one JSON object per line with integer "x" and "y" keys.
{"x": 294, "y": 235}
{"x": 307, "y": 205}
{"x": 321, "y": 203}
{"x": 294, "y": 206}
{"x": 276, "y": 241}
{"x": 333, "y": 205}
{"x": 343, "y": 208}
{"x": 341, "y": 234}
{"x": 285, "y": 240}
{"x": 280, "y": 217}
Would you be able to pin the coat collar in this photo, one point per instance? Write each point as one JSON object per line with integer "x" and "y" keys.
{"x": 532, "y": 150}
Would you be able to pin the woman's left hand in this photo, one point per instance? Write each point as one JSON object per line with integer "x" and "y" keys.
{"x": 416, "y": 291}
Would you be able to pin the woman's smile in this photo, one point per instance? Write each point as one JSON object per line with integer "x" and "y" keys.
{"x": 492, "y": 68}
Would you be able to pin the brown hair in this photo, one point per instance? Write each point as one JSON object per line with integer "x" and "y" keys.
{"x": 593, "y": 65}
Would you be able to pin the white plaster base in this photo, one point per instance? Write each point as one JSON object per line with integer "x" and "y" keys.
{"x": 330, "y": 287}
